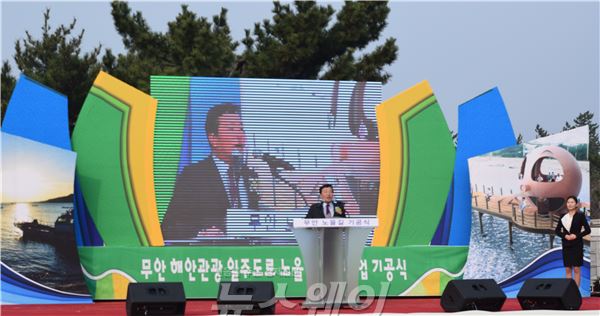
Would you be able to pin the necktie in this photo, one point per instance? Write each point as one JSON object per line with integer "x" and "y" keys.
{"x": 328, "y": 211}
{"x": 233, "y": 190}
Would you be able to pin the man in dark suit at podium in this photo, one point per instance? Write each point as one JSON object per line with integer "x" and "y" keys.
{"x": 327, "y": 208}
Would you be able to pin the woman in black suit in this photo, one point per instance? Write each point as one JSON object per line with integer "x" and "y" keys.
{"x": 571, "y": 228}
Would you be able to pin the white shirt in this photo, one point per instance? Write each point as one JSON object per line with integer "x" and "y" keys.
{"x": 331, "y": 209}
{"x": 223, "y": 173}
{"x": 567, "y": 220}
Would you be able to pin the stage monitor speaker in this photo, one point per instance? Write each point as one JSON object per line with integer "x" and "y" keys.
{"x": 561, "y": 294}
{"x": 246, "y": 298}
{"x": 155, "y": 299}
{"x": 483, "y": 294}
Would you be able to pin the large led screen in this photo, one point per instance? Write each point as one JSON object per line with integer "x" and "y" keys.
{"x": 236, "y": 160}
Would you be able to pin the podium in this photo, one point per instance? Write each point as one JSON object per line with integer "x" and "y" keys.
{"x": 331, "y": 249}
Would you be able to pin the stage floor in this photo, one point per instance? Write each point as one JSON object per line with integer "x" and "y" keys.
{"x": 590, "y": 306}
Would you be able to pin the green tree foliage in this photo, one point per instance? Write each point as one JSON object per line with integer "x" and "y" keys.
{"x": 303, "y": 42}
{"x": 540, "y": 132}
{"x": 8, "y": 84}
{"x": 192, "y": 46}
{"x": 56, "y": 61}
{"x": 583, "y": 119}
{"x": 454, "y": 136}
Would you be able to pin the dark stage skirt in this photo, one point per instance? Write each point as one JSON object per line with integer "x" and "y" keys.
{"x": 573, "y": 255}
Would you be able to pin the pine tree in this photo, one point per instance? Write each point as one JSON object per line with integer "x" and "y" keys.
{"x": 302, "y": 42}
{"x": 583, "y": 119}
{"x": 192, "y": 46}
{"x": 56, "y": 61}
{"x": 540, "y": 132}
{"x": 8, "y": 84}
{"x": 454, "y": 136}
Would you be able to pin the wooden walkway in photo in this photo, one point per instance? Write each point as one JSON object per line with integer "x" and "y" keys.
{"x": 507, "y": 207}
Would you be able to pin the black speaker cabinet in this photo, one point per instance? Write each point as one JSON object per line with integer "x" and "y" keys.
{"x": 246, "y": 298}
{"x": 560, "y": 294}
{"x": 155, "y": 299}
{"x": 461, "y": 295}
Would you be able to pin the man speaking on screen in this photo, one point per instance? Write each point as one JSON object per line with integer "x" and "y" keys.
{"x": 234, "y": 176}
{"x": 206, "y": 189}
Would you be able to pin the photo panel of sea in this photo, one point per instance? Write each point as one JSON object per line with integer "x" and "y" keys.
{"x": 37, "y": 237}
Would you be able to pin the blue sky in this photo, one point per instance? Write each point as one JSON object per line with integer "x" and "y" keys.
{"x": 543, "y": 56}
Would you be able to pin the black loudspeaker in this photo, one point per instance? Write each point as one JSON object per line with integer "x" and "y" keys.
{"x": 246, "y": 298}
{"x": 550, "y": 294}
{"x": 155, "y": 299}
{"x": 461, "y": 295}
